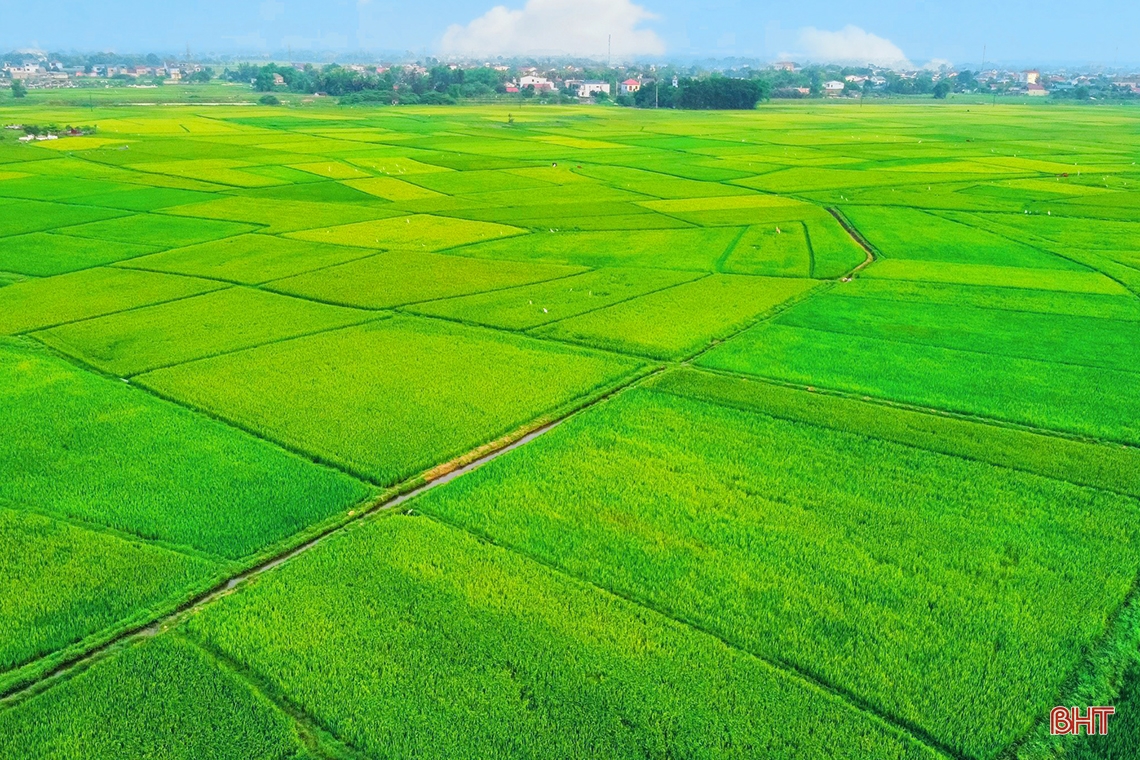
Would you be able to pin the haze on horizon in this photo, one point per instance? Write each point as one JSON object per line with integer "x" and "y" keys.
{"x": 889, "y": 32}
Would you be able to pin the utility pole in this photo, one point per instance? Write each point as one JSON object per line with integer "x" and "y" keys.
{"x": 656, "y": 94}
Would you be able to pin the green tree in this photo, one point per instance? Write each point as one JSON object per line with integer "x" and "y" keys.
{"x": 19, "y": 90}
{"x": 942, "y": 89}
{"x": 264, "y": 82}
{"x": 720, "y": 93}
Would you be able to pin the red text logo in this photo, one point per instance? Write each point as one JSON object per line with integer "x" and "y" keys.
{"x": 1068, "y": 720}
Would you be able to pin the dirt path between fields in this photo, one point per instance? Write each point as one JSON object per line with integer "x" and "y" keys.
{"x": 858, "y": 238}
{"x": 435, "y": 477}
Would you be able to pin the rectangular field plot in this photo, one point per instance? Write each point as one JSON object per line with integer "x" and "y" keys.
{"x": 691, "y": 249}
{"x": 147, "y": 467}
{"x": 534, "y": 305}
{"x": 402, "y": 277}
{"x": 434, "y": 644}
{"x": 331, "y": 170}
{"x": 830, "y": 249}
{"x": 33, "y": 304}
{"x": 933, "y": 588}
{"x": 60, "y": 583}
{"x": 278, "y": 215}
{"x": 391, "y": 189}
{"x": 50, "y": 188}
{"x": 676, "y": 322}
{"x": 390, "y": 399}
{"x": 418, "y": 233}
{"x": 1106, "y": 466}
{"x": 250, "y": 259}
{"x": 1090, "y": 401}
{"x": 1081, "y": 340}
{"x": 191, "y": 328}
{"x": 143, "y": 198}
{"x": 901, "y": 233}
{"x": 43, "y": 254}
{"x": 462, "y": 183}
{"x": 660, "y": 185}
{"x": 1102, "y": 305}
{"x": 18, "y": 216}
{"x": 996, "y": 276}
{"x": 1057, "y": 232}
{"x": 771, "y": 250}
{"x": 160, "y": 698}
{"x": 218, "y": 171}
{"x": 555, "y": 221}
{"x": 157, "y": 229}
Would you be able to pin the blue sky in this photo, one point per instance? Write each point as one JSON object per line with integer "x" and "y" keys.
{"x": 1043, "y": 32}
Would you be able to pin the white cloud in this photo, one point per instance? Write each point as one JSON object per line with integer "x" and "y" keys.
{"x": 850, "y": 45}
{"x": 557, "y": 27}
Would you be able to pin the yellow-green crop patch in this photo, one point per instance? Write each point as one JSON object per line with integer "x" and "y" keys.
{"x": 409, "y": 638}
{"x": 145, "y": 467}
{"x": 331, "y": 170}
{"x": 33, "y": 304}
{"x": 402, "y": 277}
{"x": 44, "y": 254}
{"x": 1073, "y": 281}
{"x": 932, "y": 586}
{"x": 157, "y": 229}
{"x": 891, "y": 232}
{"x": 419, "y": 233}
{"x": 1090, "y": 401}
{"x": 772, "y": 249}
{"x": 20, "y": 216}
{"x": 162, "y": 698}
{"x": 218, "y": 171}
{"x": 249, "y": 259}
{"x": 676, "y": 322}
{"x": 687, "y": 249}
{"x": 392, "y": 398}
{"x": 533, "y": 305}
{"x": 391, "y": 189}
{"x": 191, "y": 328}
{"x": 60, "y": 583}
{"x": 280, "y": 215}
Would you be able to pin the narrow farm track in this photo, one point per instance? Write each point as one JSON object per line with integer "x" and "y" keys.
{"x": 858, "y": 238}
{"x": 437, "y": 476}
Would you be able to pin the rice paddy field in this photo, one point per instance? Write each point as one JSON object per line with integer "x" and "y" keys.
{"x": 808, "y": 432}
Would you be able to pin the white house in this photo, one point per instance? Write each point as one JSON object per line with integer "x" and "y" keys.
{"x": 834, "y": 87}
{"x": 591, "y": 87}
{"x": 629, "y": 86}
{"x": 538, "y": 83}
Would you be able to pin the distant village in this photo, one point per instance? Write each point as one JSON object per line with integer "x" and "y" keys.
{"x": 433, "y": 81}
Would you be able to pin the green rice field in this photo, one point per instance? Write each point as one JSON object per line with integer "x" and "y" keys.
{"x": 343, "y": 433}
